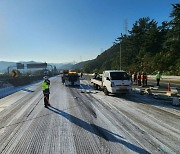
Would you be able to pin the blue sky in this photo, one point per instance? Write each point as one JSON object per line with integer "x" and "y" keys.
{"x": 59, "y": 31}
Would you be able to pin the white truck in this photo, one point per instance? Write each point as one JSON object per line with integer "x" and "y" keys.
{"x": 113, "y": 81}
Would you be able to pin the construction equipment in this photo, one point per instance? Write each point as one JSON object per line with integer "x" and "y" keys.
{"x": 70, "y": 78}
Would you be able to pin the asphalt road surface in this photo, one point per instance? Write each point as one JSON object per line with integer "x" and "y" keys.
{"x": 164, "y": 84}
{"x": 82, "y": 120}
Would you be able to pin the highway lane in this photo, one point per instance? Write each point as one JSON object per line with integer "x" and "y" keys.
{"x": 83, "y": 122}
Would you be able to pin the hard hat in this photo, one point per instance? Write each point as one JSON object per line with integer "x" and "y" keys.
{"x": 45, "y": 77}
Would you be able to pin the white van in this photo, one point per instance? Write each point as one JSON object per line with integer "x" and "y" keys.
{"x": 116, "y": 81}
{"x": 113, "y": 81}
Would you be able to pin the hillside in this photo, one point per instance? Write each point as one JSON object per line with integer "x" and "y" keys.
{"x": 149, "y": 47}
{"x": 79, "y": 66}
{"x": 4, "y": 65}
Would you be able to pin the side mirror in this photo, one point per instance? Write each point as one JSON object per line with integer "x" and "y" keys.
{"x": 107, "y": 78}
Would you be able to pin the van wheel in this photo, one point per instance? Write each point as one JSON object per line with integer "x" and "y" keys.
{"x": 106, "y": 92}
{"x": 95, "y": 87}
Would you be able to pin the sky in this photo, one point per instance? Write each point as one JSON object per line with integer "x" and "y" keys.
{"x": 61, "y": 31}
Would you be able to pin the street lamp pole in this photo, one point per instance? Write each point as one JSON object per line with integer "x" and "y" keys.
{"x": 8, "y": 70}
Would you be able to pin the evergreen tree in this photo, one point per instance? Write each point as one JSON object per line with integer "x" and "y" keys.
{"x": 148, "y": 47}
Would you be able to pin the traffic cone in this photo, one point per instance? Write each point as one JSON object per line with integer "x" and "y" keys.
{"x": 169, "y": 88}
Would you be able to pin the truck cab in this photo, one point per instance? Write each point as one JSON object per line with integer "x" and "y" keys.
{"x": 116, "y": 81}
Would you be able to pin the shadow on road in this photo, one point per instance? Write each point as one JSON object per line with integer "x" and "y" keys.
{"x": 99, "y": 131}
{"x": 81, "y": 87}
{"x": 149, "y": 99}
{"x": 27, "y": 90}
{"x": 144, "y": 99}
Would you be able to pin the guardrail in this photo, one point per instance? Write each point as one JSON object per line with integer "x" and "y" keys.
{"x": 165, "y": 77}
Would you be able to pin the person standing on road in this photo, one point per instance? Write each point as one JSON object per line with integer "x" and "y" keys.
{"x": 139, "y": 79}
{"x": 81, "y": 74}
{"x": 135, "y": 77}
{"x": 63, "y": 80}
{"x": 158, "y": 77}
{"x": 130, "y": 75}
{"x": 145, "y": 78}
{"x": 45, "y": 88}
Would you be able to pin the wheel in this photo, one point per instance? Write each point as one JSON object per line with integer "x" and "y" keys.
{"x": 121, "y": 94}
{"x": 106, "y": 92}
{"x": 95, "y": 86}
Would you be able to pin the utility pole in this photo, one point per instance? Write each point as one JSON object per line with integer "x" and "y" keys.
{"x": 120, "y": 54}
{"x": 125, "y": 26}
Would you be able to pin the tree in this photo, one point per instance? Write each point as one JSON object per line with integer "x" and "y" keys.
{"x": 175, "y": 22}
{"x": 148, "y": 47}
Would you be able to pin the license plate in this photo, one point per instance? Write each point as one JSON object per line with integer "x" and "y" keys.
{"x": 123, "y": 88}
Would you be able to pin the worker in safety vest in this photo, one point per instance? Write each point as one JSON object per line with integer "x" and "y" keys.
{"x": 139, "y": 78}
{"x": 45, "y": 89}
{"x": 158, "y": 77}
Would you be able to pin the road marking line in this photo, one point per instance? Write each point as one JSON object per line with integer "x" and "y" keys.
{"x": 2, "y": 107}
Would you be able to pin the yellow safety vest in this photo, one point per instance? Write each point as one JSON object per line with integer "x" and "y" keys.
{"x": 158, "y": 76}
{"x": 45, "y": 86}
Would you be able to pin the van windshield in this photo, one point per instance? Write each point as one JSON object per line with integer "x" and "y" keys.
{"x": 119, "y": 76}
